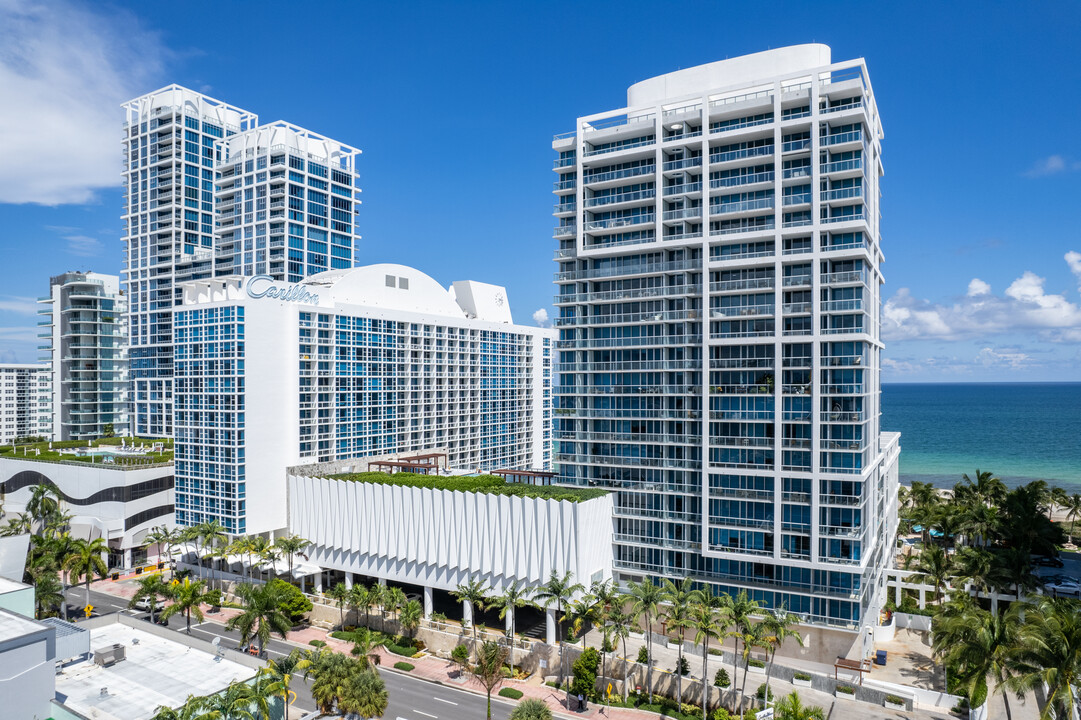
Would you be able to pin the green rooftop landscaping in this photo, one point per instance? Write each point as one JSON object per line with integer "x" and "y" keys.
{"x": 489, "y": 484}
{"x": 41, "y": 451}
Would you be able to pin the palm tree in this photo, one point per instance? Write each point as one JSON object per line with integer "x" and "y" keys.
{"x": 474, "y": 593}
{"x": 531, "y": 709}
{"x": 409, "y": 617}
{"x": 360, "y": 597}
{"x": 677, "y": 617}
{"x": 933, "y": 567}
{"x": 330, "y": 672}
{"x": 513, "y": 596}
{"x": 790, "y": 707}
{"x": 234, "y": 702}
{"x": 979, "y": 522}
{"x": 777, "y": 627}
{"x": 364, "y": 648}
{"x": 986, "y": 488}
{"x": 1012, "y": 570}
{"x": 339, "y": 594}
{"x": 558, "y": 591}
{"x": 18, "y": 524}
{"x": 165, "y": 538}
{"x": 396, "y": 598}
{"x": 1049, "y": 656}
{"x": 48, "y": 595}
{"x": 291, "y": 545}
{"x": 754, "y": 635}
{"x": 279, "y": 673}
{"x": 619, "y": 624}
{"x": 378, "y": 596}
{"x": 365, "y": 694}
{"x": 187, "y": 597}
{"x": 738, "y": 611}
{"x": 975, "y": 565}
{"x": 645, "y": 600}
{"x": 1056, "y": 498}
{"x": 708, "y": 625}
{"x": 257, "y": 546}
{"x": 44, "y": 501}
{"x": 151, "y": 587}
{"x": 85, "y": 561}
{"x": 488, "y": 669}
{"x": 262, "y": 613}
{"x": 981, "y": 645}
{"x": 1073, "y": 507}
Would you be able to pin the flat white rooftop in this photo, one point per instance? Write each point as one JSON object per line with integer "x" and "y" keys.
{"x": 13, "y": 625}
{"x": 155, "y": 672}
{"x": 7, "y": 585}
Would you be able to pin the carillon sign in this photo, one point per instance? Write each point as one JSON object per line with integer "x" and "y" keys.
{"x": 262, "y": 286}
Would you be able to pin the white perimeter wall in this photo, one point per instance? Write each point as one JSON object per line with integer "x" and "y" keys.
{"x": 440, "y": 538}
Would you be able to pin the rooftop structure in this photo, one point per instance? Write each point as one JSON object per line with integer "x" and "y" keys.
{"x": 370, "y": 362}
{"x": 719, "y": 290}
{"x": 27, "y": 665}
{"x": 86, "y": 325}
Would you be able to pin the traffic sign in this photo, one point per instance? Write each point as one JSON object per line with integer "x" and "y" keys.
{"x": 609, "y": 688}
{"x": 88, "y": 609}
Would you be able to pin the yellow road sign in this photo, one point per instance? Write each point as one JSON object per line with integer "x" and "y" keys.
{"x": 88, "y": 609}
{"x": 609, "y": 688}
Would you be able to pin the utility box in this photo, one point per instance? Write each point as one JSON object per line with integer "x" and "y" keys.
{"x": 106, "y": 657}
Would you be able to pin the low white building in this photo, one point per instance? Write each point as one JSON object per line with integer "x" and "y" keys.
{"x": 119, "y": 503}
{"x": 25, "y": 409}
{"x": 347, "y": 364}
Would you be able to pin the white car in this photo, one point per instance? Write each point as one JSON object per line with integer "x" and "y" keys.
{"x": 143, "y": 604}
{"x": 1064, "y": 587}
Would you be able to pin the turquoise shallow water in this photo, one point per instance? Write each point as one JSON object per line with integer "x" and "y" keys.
{"x": 1019, "y": 431}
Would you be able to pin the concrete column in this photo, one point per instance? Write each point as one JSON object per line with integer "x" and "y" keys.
{"x": 349, "y": 581}
{"x": 923, "y": 599}
{"x": 467, "y": 613}
{"x": 303, "y": 583}
{"x": 994, "y": 603}
{"x": 897, "y": 593}
{"x": 127, "y": 558}
{"x": 550, "y": 626}
{"x": 319, "y": 582}
{"x": 381, "y": 581}
{"x": 506, "y": 623}
{"x": 428, "y": 603}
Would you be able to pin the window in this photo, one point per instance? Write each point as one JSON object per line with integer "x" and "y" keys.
{"x": 390, "y": 281}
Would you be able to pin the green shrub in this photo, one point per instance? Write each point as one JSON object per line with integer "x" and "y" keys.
{"x": 803, "y": 676}
{"x": 317, "y": 643}
{"x": 643, "y": 655}
{"x": 531, "y": 709}
{"x": 715, "y": 651}
{"x": 213, "y": 598}
{"x": 407, "y": 648}
{"x": 895, "y": 699}
{"x": 439, "y": 617}
{"x": 294, "y": 604}
{"x": 341, "y": 635}
{"x": 489, "y": 484}
{"x": 585, "y": 673}
{"x": 720, "y": 679}
{"x": 511, "y": 693}
{"x": 552, "y": 684}
{"x": 721, "y": 714}
{"x": 684, "y": 666}
{"x": 403, "y": 666}
{"x": 761, "y": 693}
{"x": 846, "y": 689}
{"x": 755, "y": 663}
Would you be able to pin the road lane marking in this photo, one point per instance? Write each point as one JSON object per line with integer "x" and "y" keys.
{"x": 424, "y": 713}
{"x": 448, "y": 702}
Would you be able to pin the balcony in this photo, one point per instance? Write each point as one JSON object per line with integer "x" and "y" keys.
{"x": 683, "y": 214}
{"x": 744, "y": 153}
{"x": 644, "y": 142}
{"x": 741, "y": 206}
{"x": 621, "y": 222}
{"x": 842, "y": 138}
{"x": 839, "y": 166}
{"x": 635, "y": 196}
{"x": 682, "y": 164}
{"x": 796, "y": 145}
{"x": 846, "y": 193}
{"x": 740, "y": 180}
{"x": 683, "y": 189}
{"x": 565, "y": 231}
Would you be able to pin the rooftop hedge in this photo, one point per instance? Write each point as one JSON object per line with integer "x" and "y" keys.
{"x": 489, "y": 484}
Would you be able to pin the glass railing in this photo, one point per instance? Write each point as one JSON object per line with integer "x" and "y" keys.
{"x": 796, "y": 145}
{"x": 854, "y": 105}
{"x": 740, "y": 125}
{"x": 842, "y": 165}
{"x": 683, "y": 213}
{"x": 801, "y": 199}
{"x": 644, "y": 142}
{"x": 841, "y": 193}
{"x": 748, "y": 284}
{"x": 741, "y": 206}
{"x": 682, "y": 189}
{"x": 740, "y": 154}
{"x": 618, "y": 174}
{"x": 680, "y": 164}
{"x": 739, "y": 180}
{"x": 621, "y": 198}
{"x": 620, "y": 222}
{"x": 845, "y": 137}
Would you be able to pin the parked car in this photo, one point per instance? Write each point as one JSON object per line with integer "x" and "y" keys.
{"x": 1048, "y": 562}
{"x": 143, "y": 604}
{"x": 1064, "y": 587}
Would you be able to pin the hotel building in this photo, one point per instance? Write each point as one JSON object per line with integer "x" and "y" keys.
{"x": 357, "y": 363}
{"x": 718, "y": 355}
{"x": 25, "y": 407}
{"x": 177, "y": 143}
{"x": 86, "y": 325}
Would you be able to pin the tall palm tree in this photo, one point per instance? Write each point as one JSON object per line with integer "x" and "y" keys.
{"x": 396, "y": 599}
{"x": 364, "y": 694}
{"x": 256, "y": 549}
{"x": 360, "y": 597}
{"x": 1056, "y": 498}
{"x": 513, "y": 596}
{"x": 753, "y": 636}
{"x": 934, "y": 567}
{"x": 377, "y": 594}
{"x": 187, "y": 597}
{"x": 233, "y": 703}
{"x": 48, "y": 595}
{"x": 329, "y": 671}
{"x": 708, "y": 624}
{"x": 44, "y": 501}
{"x": 979, "y": 523}
{"x": 790, "y": 707}
{"x": 488, "y": 669}
{"x": 339, "y": 594}
{"x": 976, "y": 566}
{"x": 364, "y": 648}
{"x": 164, "y": 538}
{"x": 619, "y": 625}
{"x": 150, "y": 587}
{"x": 1049, "y": 656}
{"x": 777, "y": 628}
{"x": 18, "y": 524}
{"x": 1073, "y": 507}
{"x": 986, "y": 488}
{"x": 262, "y": 613}
{"x": 279, "y": 673}
{"x": 61, "y": 547}
{"x": 291, "y": 545}
{"x": 558, "y": 591}
{"x": 678, "y": 600}
{"x": 1012, "y": 570}
{"x": 85, "y": 561}
{"x": 738, "y": 611}
{"x": 475, "y": 594}
{"x": 409, "y": 617}
{"x": 645, "y": 600}
{"x": 981, "y": 645}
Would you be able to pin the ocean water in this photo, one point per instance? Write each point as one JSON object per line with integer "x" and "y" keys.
{"x": 1018, "y": 431}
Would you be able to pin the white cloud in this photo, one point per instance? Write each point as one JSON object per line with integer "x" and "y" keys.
{"x": 541, "y": 318}
{"x": 1024, "y": 306}
{"x": 989, "y": 357}
{"x": 1073, "y": 259}
{"x": 1052, "y": 165}
{"x": 83, "y": 245}
{"x": 978, "y": 287}
{"x": 65, "y": 70}
{"x": 18, "y": 305}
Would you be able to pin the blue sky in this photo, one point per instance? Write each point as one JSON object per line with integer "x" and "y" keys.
{"x": 454, "y": 106}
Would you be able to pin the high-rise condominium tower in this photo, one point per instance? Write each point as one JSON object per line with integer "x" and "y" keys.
{"x": 205, "y": 197}
{"x": 88, "y": 355}
{"x": 719, "y": 291}
{"x": 25, "y": 410}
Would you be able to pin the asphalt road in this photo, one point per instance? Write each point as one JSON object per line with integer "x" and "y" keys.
{"x": 409, "y": 698}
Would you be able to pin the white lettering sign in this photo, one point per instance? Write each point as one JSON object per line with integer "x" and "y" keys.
{"x": 262, "y": 286}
